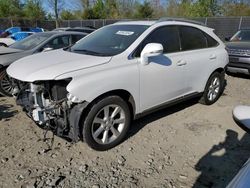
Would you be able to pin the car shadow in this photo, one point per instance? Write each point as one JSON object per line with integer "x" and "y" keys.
{"x": 140, "y": 123}
{"x": 6, "y": 111}
{"x": 239, "y": 75}
{"x": 223, "y": 161}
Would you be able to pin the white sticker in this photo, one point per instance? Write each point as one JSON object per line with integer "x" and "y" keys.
{"x": 125, "y": 33}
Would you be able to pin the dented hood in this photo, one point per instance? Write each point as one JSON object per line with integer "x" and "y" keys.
{"x": 49, "y": 65}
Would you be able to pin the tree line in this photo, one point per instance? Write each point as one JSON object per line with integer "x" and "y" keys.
{"x": 120, "y": 9}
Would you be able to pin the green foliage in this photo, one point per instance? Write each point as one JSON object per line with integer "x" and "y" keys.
{"x": 120, "y": 9}
{"x": 33, "y": 10}
{"x": 68, "y": 15}
{"x": 10, "y": 8}
{"x": 144, "y": 10}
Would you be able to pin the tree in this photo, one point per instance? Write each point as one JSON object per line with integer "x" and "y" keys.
{"x": 33, "y": 10}
{"x": 10, "y": 8}
{"x": 57, "y": 7}
{"x": 144, "y": 10}
{"x": 67, "y": 15}
{"x": 111, "y": 9}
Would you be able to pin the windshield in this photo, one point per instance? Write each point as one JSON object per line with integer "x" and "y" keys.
{"x": 110, "y": 40}
{"x": 31, "y": 41}
{"x": 243, "y": 35}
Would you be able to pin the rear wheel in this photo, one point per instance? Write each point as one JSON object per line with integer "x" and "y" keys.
{"x": 106, "y": 123}
{"x": 213, "y": 89}
{"x": 6, "y": 85}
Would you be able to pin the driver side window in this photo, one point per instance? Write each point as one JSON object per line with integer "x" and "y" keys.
{"x": 168, "y": 36}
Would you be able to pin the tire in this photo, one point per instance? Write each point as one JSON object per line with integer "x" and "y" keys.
{"x": 2, "y": 44}
{"x": 214, "y": 88}
{"x": 102, "y": 132}
{"x": 6, "y": 85}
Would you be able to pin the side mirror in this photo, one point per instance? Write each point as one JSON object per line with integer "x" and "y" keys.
{"x": 150, "y": 50}
{"x": 47, "y": 49}
{"x": 241, "y": 116}
{"x": 227, "y": 39}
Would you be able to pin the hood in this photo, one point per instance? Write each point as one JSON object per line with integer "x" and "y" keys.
{"x": 49, "y": 65}
{"x": 238, "y": 45}
{"x": 5, "y": 51}
{"x": 9, "y": 55}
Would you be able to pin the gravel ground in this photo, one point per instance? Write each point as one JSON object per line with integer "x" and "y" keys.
{"x": 188, "y": 145}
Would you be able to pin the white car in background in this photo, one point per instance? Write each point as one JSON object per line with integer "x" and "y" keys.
{"x": 92, "y": 90}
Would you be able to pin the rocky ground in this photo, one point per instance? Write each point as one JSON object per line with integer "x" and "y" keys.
{"x": 188, "y": 145}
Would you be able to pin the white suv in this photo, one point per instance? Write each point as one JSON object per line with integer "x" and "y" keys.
{"x": 92, "y": 90}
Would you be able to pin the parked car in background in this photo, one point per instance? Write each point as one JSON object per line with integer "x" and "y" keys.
{"x": 241, "y": 115}
{"x": 92, "y": 90}
{"x": 13, "y": 34}
{"x": 87, "y": 29}
{"x": 13, "y": 38}
{"x": 238, "y": 48}
{"x": 33, "y": 44}
{"x": 82, "y": 29}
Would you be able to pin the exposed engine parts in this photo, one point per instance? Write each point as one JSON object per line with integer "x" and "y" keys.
{"x": 47, "y": 104}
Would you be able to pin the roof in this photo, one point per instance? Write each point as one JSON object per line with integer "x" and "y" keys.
{"x": 64, "y": 32}
{"x": 149, "y": 23}
{"x": 167, "y": 20}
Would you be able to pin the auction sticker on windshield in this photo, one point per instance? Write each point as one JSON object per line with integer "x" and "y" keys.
{"x": 125, "y": 33}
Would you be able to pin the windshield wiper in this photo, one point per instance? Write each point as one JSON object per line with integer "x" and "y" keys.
{"x": 89, "y": 52}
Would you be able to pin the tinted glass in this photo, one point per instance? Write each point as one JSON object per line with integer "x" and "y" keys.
{"x": 210, "y": 41}
{"x": 58, "y": 42}
{"x": 167, "y": 36}
{"x": 75, "y": 38}
{"x": 192, "y": 38}
{"x": 31, "y": 41}
{"x": 243, "y": 35}
{"x": 110, "y": 40}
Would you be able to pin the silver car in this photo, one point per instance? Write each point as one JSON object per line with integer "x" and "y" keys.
{"x": 33, "y": 44}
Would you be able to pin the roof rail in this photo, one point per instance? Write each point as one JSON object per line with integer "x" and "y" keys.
{"x": 181, "y": 20}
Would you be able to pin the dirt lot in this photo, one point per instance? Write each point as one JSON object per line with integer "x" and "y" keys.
{"x": 188, "y": 145}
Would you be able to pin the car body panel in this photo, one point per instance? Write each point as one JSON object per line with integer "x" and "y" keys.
{"x": 7, "y": 41}
{"x": 52, "y": 65}
{"x": 9, "y": 55}
{"x": 123, "y": 72}
{"x": 239, "y": 56}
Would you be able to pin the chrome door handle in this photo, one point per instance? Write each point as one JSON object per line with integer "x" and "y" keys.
{"x": 181, "y": 63}
{"x": 212, "y": 57}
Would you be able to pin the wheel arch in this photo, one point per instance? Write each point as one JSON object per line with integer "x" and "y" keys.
{"x": 124, "y": 94}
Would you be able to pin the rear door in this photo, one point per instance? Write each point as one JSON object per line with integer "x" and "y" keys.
{"x": 198, "y": 50}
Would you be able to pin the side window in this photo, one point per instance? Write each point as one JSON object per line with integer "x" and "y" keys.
{"x": 58, "y": 42}
{"x": 192, "y": 38}
{"x": 210, "y": 41}
{"x": 168, "y": 36}
{"x": 75, "y": 38}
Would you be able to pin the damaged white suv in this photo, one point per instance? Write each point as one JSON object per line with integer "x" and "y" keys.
{"x": 92, "y": 90}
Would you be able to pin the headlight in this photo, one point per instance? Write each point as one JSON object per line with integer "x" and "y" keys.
{"x": 73, "y": 98}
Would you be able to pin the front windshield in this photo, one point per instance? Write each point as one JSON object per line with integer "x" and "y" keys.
{"x": 31, "y": 41}
{"x": 110, "y": 40}
{"x": 243, "y": 35}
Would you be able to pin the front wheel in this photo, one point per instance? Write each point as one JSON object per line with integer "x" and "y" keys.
{"x": 213, "y": 89}
{"x": 6, "y": 85}
{"x": 106, "y": 123}
{"x": 4, "y": 45}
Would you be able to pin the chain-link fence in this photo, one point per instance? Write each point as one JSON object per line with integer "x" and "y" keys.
{"x": 224, "y": 26}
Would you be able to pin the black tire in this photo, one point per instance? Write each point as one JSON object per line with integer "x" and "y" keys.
{"x": 205, "y": 99}
{"x": 95, "y": 110}
{"x": 2, "y": 44}
{"x": 4, "y": 79}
